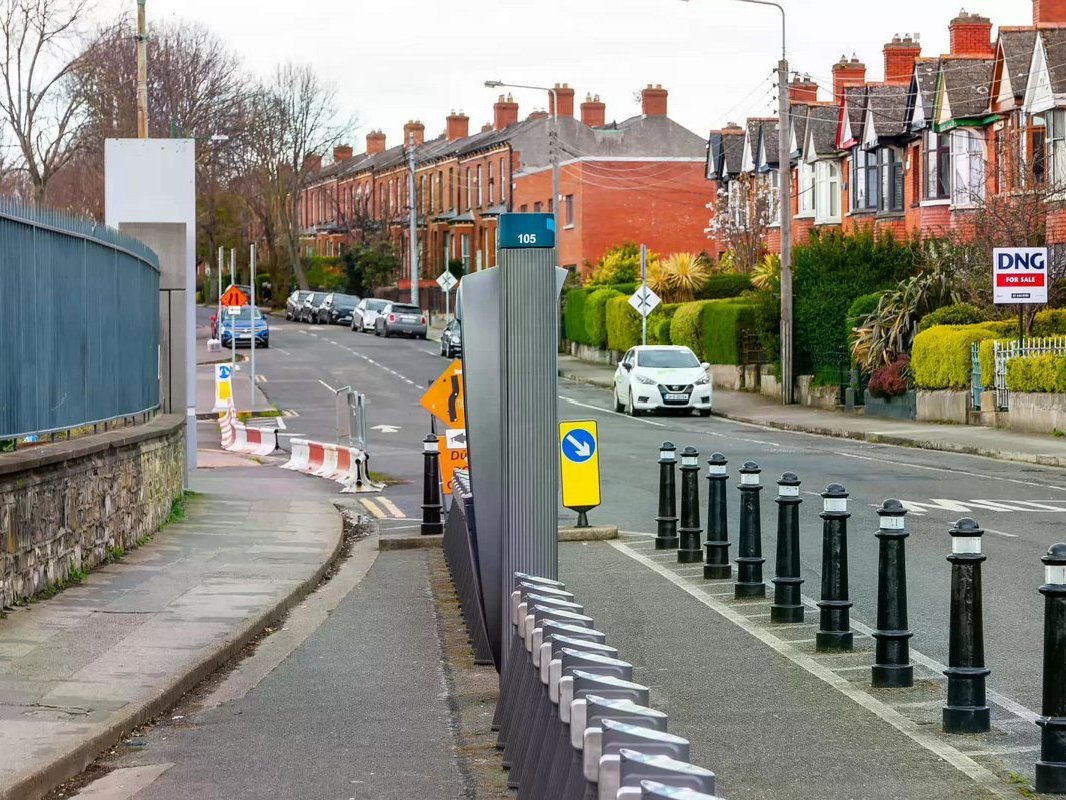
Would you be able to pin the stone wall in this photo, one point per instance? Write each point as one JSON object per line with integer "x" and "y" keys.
{"x": 943, "y": 405}
{"x": 1036, "y": 412}
{"x": 63, "y": 505}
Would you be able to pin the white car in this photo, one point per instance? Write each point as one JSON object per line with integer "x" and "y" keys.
{"x": 661, "y": 378}
{"x": 366, "y": 314}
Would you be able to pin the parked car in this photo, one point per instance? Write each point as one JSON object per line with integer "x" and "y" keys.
{"x": 241, "y": 325}
{"x": 366, "y": 313}
{"x": 661, "y": 378}
{"x": 295, "y": 303}
{"x": 400, "y": 319}
{"x": 310, "y": 307}
{"x": 337, "y": 309}
{"x": 451, "y": 340}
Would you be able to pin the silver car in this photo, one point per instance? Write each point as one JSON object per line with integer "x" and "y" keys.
{"x": 367, "y": 313}
{"x": 399, "y": 319}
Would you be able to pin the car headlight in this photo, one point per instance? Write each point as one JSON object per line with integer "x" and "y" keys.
{"x": 646, "y": 380}
{"x": 703, "y": 381}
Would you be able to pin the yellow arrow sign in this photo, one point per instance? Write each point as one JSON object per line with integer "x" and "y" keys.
{"x": 579, "y": 457}
{"x": 444, "y": 399}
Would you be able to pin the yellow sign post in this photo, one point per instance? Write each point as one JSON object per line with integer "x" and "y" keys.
{"x": 444, "y": 399}
{"x": 579, "y": 456}
{"x": 223, "y": 387}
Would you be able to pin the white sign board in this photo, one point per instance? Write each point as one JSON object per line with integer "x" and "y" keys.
{"x": 1019, "y": 275}
{"x": 446, "y": 281}
{"x": 644, "y": 300}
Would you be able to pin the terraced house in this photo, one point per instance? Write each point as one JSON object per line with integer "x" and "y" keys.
{"x": 923, "y": 149}
{"x": 640, "y": 179}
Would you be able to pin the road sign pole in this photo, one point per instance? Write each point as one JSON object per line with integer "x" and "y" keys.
{"x": 233, "y": 333}
{"x": 251, "y": 314}
{"x": 643, "y": 289}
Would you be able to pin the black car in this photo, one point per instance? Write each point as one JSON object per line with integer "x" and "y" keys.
{"x": 309, "y": 309}
{"x": 295, "y": 303}
{"x": 337, "y": 309}
{"x": 451, "y": 340}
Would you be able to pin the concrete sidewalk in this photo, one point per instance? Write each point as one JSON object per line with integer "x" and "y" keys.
{"x": 761, "y": 410}
{"x": 80, "y": 670}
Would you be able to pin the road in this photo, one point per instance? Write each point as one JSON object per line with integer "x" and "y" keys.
{"x": 238, "y": 744}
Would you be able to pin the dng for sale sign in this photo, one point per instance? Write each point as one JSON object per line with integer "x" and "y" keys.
{"x": 1019, "y": 275}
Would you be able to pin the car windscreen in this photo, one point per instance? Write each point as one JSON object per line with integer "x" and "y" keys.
{"x": 345, "y": 301}
{"x": 398, "y": 309}
{"x": 376, "y": 305}
{"x": 667, "y": 359}
{"x": 244, "y": 315}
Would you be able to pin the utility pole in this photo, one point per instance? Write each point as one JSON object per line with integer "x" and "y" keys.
{"x": 251, "y": 310}
{"x": 142, "y": 71}
{"x": 784, "y": 184}
{"x": 412, "y": 216}
{"x": 553, "y": 154}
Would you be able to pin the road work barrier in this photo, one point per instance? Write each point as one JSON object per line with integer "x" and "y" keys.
{"x": 239, "y": 438}
{"x": 348, "y": 466}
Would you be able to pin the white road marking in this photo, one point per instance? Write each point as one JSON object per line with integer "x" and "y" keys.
{"x": 1001, "y": 533}
{"x": 283, "y": 352}
{"x": 122, "y": 784}
{"x": 955, "y": 472}
{"x": 260, "y": 378}
{"x": 370, "y": 506}
{"x": 392, "y": 508}
{"x": 615, "y": 413}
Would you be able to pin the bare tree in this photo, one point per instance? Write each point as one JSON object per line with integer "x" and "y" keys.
{"x": 37, "y": 96}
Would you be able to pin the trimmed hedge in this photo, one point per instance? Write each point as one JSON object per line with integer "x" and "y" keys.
{"x": 958, "y": 314}
{"x": 1050, "y": 322}
{"x": 596, "y": 316}
{"x": 941, "y": 357}
{"x": 1046, "y": 373}
{"x": 728, "y": 285}
{"x": 659, "y": 323}
{"x": 623, "y": 324}
{"x": 722, "y": 322}
{"x": 574, "y": 315}
{"x": 685, "y": 326}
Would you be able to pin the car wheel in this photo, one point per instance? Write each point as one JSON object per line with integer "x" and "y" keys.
{"x": 618, "y": 406}
{"x": 631, "y": 409}
{"x": 266, "y": 345}
{"x": 705, "y": 412}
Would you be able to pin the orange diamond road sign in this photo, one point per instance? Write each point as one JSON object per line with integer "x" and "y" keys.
{"x": 444, "y": 399}
{"x": 453, "y": 456}
{"x": 233, "y": 297}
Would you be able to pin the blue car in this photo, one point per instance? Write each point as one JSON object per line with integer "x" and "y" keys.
{"x": 241, "y": 324}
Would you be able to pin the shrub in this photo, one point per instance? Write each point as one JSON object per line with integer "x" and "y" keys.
{"x": 596, "y": 316}
{"x": 574, "y": 315}
{"x": 620, "y": 264}
{"x": 685, "y": 326}
{"x": 625, "y": 288}
{"x": 892, "y": 379}
{"x": 728, "y": 285}
{"x": 623, "y": 324}
{"x": 722, "y": 323}
{"x": 659, "y": 323}
{"x": 957, "y": 314}
{"x": 1045, "y": 373}
{"x": 1049, "y": 322}
{"x": 941, "y": 358}
{"x": 987, "y": 359}
{"x": 860, "y": 308}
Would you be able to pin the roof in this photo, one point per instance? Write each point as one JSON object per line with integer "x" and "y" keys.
{"x": 966, "y": 83}
{"x": 855, "y": 102}
{"x": 798, "y": 118}
{"x": 923, "y": 87}
{"x": 1055, "y": 45}
{"x": 714, "y": 155}
{"x": 1017, "y": 45}
{"x": 887, "y": 104}
{"x": 770, "y": 153}
{"x": 732, "y": 150}
{"x": 822, "y": 124}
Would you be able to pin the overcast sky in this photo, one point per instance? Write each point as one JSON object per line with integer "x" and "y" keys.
{"x": 394, "y": 60}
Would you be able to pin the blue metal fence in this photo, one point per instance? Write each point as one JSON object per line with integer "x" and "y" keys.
{"x": 79, "y": 323}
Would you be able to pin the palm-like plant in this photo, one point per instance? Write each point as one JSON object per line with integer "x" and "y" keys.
{"x": 681, "y": 276}
{"x": 767, "y": 273}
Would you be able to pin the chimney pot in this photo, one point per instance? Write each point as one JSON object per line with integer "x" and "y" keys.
{"x": 971, "y": 34}
{"x": 504, "y": 112}
{"x": 847, "y": 73}
{"x": 417, "y": 130}
{"x": 375, "y": 142}
{"x": 653, "y": 101}
{"x": 457, "y": 126}
{"x": 566, "y": 100}
{"x": 593, "y": 112}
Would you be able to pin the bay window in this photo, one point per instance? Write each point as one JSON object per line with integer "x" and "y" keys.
{"x": 738, "y": 204}
{"x": 967, "y": 168}
{"x": 864, "y": 180}
{"x": 806, "y": 189}
{"x": 1056, "y": 148}
{"x": 891, "y": 168}
{"x": 827, "y": 191}
{"x": 937, "y": 165}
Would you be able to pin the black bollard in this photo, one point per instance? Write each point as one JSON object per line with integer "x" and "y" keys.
{"x": 966, "y": 711}
{"x": 749, "y": 547}
{"x": 431, "y": 507}
{"x": 892, "y": 668}
{"x": 689, "y": 551}
{"x": 787, "y": 605}
{"x": 717, "y": 546}
{"x": 834, "y": 634}
{"x": 666, "y": 537}
{"x": 1051, "y": 768}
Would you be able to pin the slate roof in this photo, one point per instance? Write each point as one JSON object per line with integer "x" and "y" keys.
{"x": 714, "y": 155}
{"x": 1055, "y": 46}
{"x": 966, "y": 82}
{"x": 1017, "y": 47}
{"x": 770, "y": 150}
{"x": 822, "y": 124}
{"x": 798, "y": 118}
{"x": 855, "y": 102}
{"x": 925, "y": 72}
{"x": 888, "y": 106}
{"x": 733, "y": 150}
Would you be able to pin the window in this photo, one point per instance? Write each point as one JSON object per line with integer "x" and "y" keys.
{"x": 569, "y": 206}
{"x": 806, "y": 189}
{"x": 464, "y": 241}
{"x": 937, "y": 165}
{"x": 523, "y": 208}
{"x": 503, "y": 183}
{"x": 469, "y": 188}
{"x": 451, "y": 189}
{"x": 492, "y": 186}
{"x": 1056, "y": 148}
{"x": 826, "y": 191}
{"x": 537, "y": 207}
{"x": 863, "y": 180}
{"x": 890, "y": 166}
{"x": 773, "y": 181}
{"x": 480, "y": 192}
{"x": 967, "y": 168}
{"x": 738, "y": 204}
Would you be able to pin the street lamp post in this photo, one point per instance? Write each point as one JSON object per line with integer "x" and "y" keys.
{"x": 553, "y": 138}
{"x": 784, "y": 202}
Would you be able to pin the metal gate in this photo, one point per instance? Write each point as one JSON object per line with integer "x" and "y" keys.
{"x": 1005, "y": 351}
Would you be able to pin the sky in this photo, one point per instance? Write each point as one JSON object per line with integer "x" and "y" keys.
{"x": 395, "y": 60}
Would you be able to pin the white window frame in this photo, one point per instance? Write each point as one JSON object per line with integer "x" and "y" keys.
{"x": 826, "y": 192}
{"x": 806, "y": 190}
{"x": 480, "y": 192}
{"x": 1055, "y": 142}
{"x": 967, "y": 168}
{"x": 773, "y": 187}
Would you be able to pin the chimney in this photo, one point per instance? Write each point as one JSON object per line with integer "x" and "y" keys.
{"x": 538, "y": 113}
{"x": 803, "y": 90}
{"x": 593, "y": 112}
{"x": 1049, "y": 12}
{"x": 415, "y": 128}
{"x": 486, "y": 127}
{"x": 847, "y": 73}
{"x": 971, "y": 35}
{"x": 312, "y": 162}
{"x": 375, "y": 142}
{"x": 653, "y": 101}
{"x": 505, "y": 112}
{"x": 566, "y": 100}
{"x": 458, "y": 126}
{"x": 342, "y": 152}
{"x": 899, "y": 59}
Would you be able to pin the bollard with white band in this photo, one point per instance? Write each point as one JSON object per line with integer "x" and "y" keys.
{"x": 1051, "y": 768}
{"x": 834, "y": 631}
{"x": 787, "y": 605}
{"x": 717, "y": 566}
{"x": 892, "y": 667}
{"x": 666, "y": 522}
{"x": 688, "y": 550}
{"x": 431, "y": 501}
{"x": 966, "y": 710}
{"x": 749, "y": 583}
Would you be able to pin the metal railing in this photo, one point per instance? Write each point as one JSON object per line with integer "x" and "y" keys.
{"x": 79, "y": 323}
{"x": 1004, "y": 351}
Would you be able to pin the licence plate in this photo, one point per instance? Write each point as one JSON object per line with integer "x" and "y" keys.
{"x": 677, "y": 397}
{"x": 244, "y": 336}
{"x": 408, "y": 319}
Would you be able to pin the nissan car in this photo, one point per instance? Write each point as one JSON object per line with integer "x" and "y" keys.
{"x": 662, "y": 378}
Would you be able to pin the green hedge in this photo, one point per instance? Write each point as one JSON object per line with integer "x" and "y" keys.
{"x": 623, "y": 324}
{"x": 722, "y": 322}
{"x": 685, "y": 326}
{"x": 941, "y": 358}
{"x": 1046, "y": 373}
{"x": 957, "y": 314}
{"x": 718, "y": 286}
{"x": 659, "y": 323}
{"x": 596, "y": 316}
{"x": 1049, "y": 323}
{"x": 574, "y": 315}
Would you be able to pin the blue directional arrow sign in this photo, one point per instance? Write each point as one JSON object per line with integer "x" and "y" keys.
{"x": 579, "y": 445}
